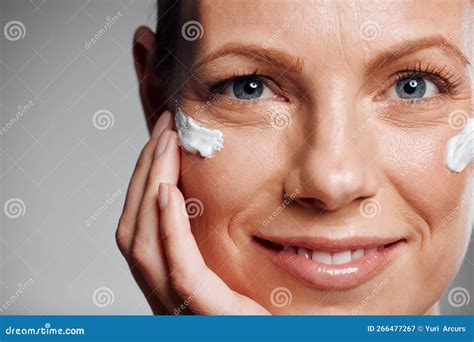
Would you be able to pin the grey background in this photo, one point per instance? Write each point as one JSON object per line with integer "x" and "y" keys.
{"x": 64, "y": 169}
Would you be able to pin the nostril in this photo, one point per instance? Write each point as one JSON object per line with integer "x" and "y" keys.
{"x": 312, "y": 203}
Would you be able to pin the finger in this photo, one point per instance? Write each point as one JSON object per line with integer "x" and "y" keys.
{"x": 197, "y": 284}
{"x": 127, "y": 222}
{"x": 147, "y": 251}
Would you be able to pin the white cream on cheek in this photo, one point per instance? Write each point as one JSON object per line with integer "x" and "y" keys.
{"x": 460, "y": 148}
{"x": 195, "y": 138}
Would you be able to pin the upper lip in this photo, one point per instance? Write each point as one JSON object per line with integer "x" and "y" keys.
{"x": 331, "y": 245}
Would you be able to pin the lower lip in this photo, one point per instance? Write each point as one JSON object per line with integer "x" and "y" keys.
{"x": 336, "y": 277}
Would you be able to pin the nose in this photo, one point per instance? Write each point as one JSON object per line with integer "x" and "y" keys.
{"x": 334, "y": 168}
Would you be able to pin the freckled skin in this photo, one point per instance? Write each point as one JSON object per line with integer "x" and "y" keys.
{"x": 342, "y": 146}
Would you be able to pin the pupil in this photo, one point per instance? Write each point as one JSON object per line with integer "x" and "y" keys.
{"x": 246, "y": 88}
{"x": 410, "y": 87}
{"x": 250, "y": 87}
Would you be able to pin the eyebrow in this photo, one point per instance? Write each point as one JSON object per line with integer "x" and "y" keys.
{"x": 406, "y": 48}
{"x": 271, "y": 56}
{"x": 288, "y": 62}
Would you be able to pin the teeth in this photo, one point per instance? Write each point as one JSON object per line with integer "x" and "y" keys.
{"x": 341, "y": 257}
{"x": 333, "y": 258}
{"x": 304, "y": 253}
{"x": 322, "y": 257}
{"x": 357, "y": 254}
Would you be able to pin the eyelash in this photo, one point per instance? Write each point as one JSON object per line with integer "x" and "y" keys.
{"x": 446, "y": 82}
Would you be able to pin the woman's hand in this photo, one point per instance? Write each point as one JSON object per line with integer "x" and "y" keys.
{"x": 154, "y": 235}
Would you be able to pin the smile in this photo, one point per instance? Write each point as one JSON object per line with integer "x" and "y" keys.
{"x": 332, "y": 264}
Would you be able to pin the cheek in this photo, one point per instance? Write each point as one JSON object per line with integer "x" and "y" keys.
{"x": 437, "y": 200}
{"x": 417, "y": 171}
{"x": 230, "y": 186}
{"x": 228, "y": 182}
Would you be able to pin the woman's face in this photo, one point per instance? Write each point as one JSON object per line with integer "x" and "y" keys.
{"x": 346, "y": 108}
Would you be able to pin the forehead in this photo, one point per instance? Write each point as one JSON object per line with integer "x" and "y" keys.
{"x": 328, "y": 28}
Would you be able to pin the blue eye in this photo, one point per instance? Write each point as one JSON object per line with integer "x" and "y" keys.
{"x": 414, "y": 87}
{"x": 248, "y": 88}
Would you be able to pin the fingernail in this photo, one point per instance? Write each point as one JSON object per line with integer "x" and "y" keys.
{"x": 162, "y": 123}
{"x": 163, "y": 195}
{"x": 162, "y": 142}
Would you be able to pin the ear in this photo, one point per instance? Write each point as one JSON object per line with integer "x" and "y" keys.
{"x": 153, "y": 98}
